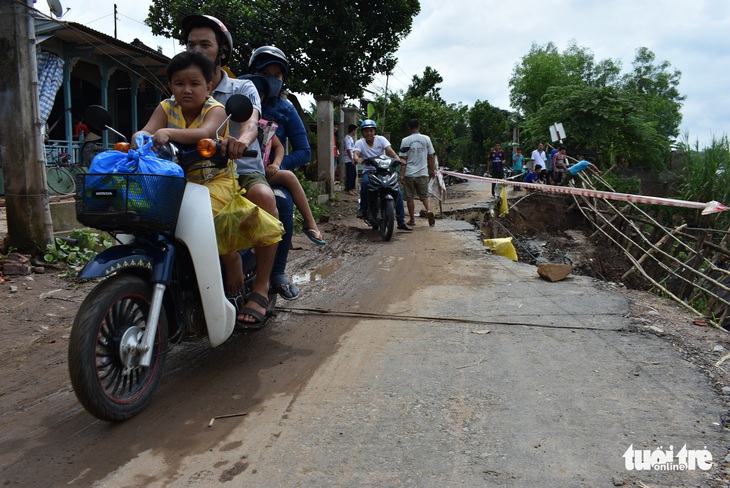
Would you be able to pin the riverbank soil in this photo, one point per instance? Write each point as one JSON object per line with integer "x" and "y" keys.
{"x": 423, "y": 361}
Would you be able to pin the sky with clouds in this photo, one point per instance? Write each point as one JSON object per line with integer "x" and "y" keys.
{"x": 475, "y": 44}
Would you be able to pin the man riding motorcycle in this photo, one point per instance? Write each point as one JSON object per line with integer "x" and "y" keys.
{"x": 371, "y": 146}
{"x": 209, "y": 36}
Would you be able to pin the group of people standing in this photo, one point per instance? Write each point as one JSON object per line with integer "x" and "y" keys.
{"x": 540, "y": 168}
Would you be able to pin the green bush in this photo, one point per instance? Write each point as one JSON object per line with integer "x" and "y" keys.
{"x": 80, "y": 248}
{"x": 623, "y": 184}
{"x": 706, "y": 174}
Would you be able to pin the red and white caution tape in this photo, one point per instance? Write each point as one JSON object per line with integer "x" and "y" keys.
{"x": 707, "y": 208}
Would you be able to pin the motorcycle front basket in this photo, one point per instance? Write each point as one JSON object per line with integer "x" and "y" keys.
{"x": 129, "y": 202}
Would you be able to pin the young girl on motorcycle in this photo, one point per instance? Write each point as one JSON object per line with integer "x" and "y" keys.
{"x": 273, "y": 154}
{"x": 186, "y": 118}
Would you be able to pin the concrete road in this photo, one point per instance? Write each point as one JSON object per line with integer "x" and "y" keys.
{"x": 504, "y": 379}
{"x": 424, "y": 361}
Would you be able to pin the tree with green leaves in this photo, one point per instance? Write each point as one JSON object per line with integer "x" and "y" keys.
{"x": 334, "y": 48}
{"x": 488, "y": 124}
{"x": 606, "y": 122}
{"x": 426, "y": 86}
{"x": 544, "y": 67}
{"x": 444, "y": 123}
{"x": 656, "y": 85}
{"x": 634, "y": 117}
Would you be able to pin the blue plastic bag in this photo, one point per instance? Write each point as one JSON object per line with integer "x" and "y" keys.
{"x": 140, "y": 160}
{"x": 106, "y": 162}
{"x": 122, "y": 178}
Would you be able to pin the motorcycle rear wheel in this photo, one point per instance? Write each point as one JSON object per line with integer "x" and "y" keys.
{"x": 387, "y": 220}
{"x": 95, "y": 349}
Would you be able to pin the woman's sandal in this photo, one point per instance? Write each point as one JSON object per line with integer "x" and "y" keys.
{"x": 314, "y": 236}
{"x": 241, "y": 310}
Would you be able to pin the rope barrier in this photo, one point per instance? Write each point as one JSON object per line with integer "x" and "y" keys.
{"x": 707, "y": 208}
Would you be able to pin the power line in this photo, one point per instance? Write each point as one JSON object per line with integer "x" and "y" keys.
{"x": 93, "y": 41}
{"x": 100, "y": 18}
{"x": 133, "y": 20}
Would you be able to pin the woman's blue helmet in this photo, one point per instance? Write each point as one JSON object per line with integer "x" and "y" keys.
{"x": 368, "y": 123}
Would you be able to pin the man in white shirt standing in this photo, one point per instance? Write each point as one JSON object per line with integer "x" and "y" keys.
{"x": 538, "y": 157}
{"x": 417, "y": 170}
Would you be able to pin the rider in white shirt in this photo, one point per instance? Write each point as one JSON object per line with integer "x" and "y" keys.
{"x": 372, "y": 146}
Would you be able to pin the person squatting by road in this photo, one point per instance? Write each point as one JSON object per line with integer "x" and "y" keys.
{"x": 372, "y": 146}
{"x": 416, "y": 170}
{"x": 533, "y": 176}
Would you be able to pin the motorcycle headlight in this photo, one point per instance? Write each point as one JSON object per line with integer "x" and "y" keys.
{"x": 383, "y": 163}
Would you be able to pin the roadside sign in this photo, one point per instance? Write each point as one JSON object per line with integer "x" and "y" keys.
{"x": 557, "y": 133}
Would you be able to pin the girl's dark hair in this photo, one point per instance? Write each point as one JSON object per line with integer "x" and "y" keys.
{"x": 187, "y": 59}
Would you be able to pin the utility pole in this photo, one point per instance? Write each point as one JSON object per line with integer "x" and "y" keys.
{"x": 21, "y": 154}
{"x": 115, "y": 21}
{"x": 385, "y": 103}
{"x": 325, "y": 148}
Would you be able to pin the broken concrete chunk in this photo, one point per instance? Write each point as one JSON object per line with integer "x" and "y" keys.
{"x": 554, "y": 272}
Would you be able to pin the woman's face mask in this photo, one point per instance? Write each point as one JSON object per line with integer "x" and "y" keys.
{"x": 275, "y": 77}
{"x": 275, "y": 85}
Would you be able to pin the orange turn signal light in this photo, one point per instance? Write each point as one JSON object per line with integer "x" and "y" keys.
{"x": 121, "y": 146}
{"x": 207, "y": 148}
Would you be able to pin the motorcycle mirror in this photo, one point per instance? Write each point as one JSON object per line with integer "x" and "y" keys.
{"x": 405, "y": 149}
{"x": 98, "y": 119}
{"x": 239, "y": 108}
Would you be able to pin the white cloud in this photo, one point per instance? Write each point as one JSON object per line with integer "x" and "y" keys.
{"x": 475, "y": 45}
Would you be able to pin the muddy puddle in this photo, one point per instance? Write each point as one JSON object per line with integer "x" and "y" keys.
{"x": 319, "y": 273}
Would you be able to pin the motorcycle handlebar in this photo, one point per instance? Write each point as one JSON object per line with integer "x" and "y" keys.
{"x": 185, "y": 155}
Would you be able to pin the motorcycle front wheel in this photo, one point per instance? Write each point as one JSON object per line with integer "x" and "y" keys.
{"x": 112, "y": 315}
{"x": 387, "y": 220}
